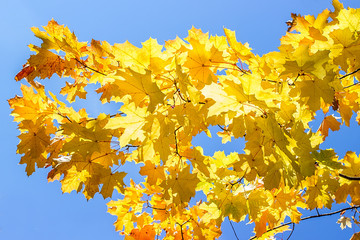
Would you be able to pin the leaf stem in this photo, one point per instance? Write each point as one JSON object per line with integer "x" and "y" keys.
{"x": 233, "y": 229}
{"x": 176, "y": 143}
{"x": 92, "y": 69}
{"x": 293, "y": 228}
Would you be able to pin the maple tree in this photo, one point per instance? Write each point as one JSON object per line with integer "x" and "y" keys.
{"x": 169, "y": 94}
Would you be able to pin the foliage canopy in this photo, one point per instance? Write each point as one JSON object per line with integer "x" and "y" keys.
{"x": 170, "y": 94}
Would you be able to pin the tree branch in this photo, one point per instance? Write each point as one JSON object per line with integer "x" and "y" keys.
{"x": 272, "y": 81}
{"x": 349, "y": 75}
{"x": 149, "y": 206}
{"x": 346, "y": 75}
{"x": 176, "y": 143}
{"x": 222, "y": 128}
{"x": 181, "y": 227}
{"x": 310, "y": 217}
{"x": 349, "y": 178}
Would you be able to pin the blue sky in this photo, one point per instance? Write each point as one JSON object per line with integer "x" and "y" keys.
{"x": 34, "y": 209}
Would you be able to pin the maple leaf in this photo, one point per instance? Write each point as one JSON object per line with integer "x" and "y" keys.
{"x": 327, "y": 158}
{"x": 27, "y": 70}
{"x": 85, "y": 141}
{"x": 235, "y": 208}
{"x": 74, "y": 180}
{"x": 33, "y": 144}
{"x": 349, "y": 18}
{"x": 149, "y": 57}
{"x": 344, "y": 222}
{"x": 59, "y": 37}
{"x": 74, "y": 90}
{"x": 320, "y": 190}
{"x": 201, "y": 61}
{"x": 306, "y": 63}
{"x": 328, "y": 122}
{"x": 132, "y": 123}
{"x": 355, "y": 236}
{"x": 185, "y": 85}
{"x": 145, "y": 233}
{"x": 181, "y": 186}
{"x": 33, "y": 105}
{"x": 140, "y": 87}
{"x": 345, "y": 49}
{"x": 111, "y": 182}
{"x": 242, "y": 51}
{"x": 153, "y": 172}
{"x": 315, "y": 92}
{"x": 351, "y": 166}
{"x": 223, "y": 102}
{"x": 346, "y": 105}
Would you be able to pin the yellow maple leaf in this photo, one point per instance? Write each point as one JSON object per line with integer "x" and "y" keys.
{"x": 154, "y": 173}
{"x": 111, "y": 182}
{"x": 305, "y": 63}
{"x": 352, "y": 167}
{"x": 132, "y": 123}
{"x": 223, "y": 102}
{"x": 316, "y": 92}
{"x": 345, "y": 49}
{"x": 202, "y": 61}
{"x": 186, "y": 87}
{"x": 33, "y": 143}
{"x": 126, "y": 209}
{"x": 59, "y": 37}
{"x": 349, "y": 18}
{"x": 74, "y": 90}
{"x": 242, "y": 51}
{"x": 86, "y": 141}
{"x": 180, "y": 186}
{"x": 328, "y": 122}
{"x": 74, "y": 180}
{"x": 33, "y": 105}
{"x": 320, "y": 190}
{"x": 141, "y": 88}
{"x": 347, "y": 103}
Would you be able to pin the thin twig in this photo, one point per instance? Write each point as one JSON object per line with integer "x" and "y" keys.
{"x": 149, "y": 206}
{"x": 310, "y": 217}
{"x": 182, "y": 234}
{"x": 179, "y": 93}
{"x": 176, "y": 143}
{"x": 233, "y": 229}
{"x": 352, "y": 85}
{"x": 222, "y": 128}
{"x": 92, "y": 69}
{"x": 239, "y": 181}
{"x": 346, "y": 75}
{"x": 350, "y": 73}
{"x": 93, "y": 119}
{"x": 64, "y": 116}
{"x": 349, "y": 178}
{"x": 293, "y": 228}
{"x": 181, "y": 225}
{"x": 272, "y": 81}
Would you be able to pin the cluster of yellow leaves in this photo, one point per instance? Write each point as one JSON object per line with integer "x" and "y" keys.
{"x": 170, "y": 94}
